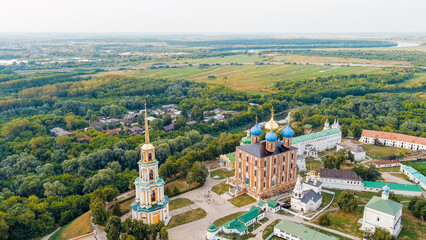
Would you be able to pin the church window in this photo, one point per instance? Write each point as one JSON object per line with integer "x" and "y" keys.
{"x": 291, "y": 166}
{"x": 283, "y": 168}
{"x": 247, "y": 159}
{"x": 255, "y": 162}
{"x": 151, "y": 174}
{"x": 264, "y": 173}
{"x": 264, "y": 163}
{"x": 275, "y": 170}
{"x": 273, "y": 182}
{"x": 282, "y": 178}
{"x": 275, "y": 160}
{"x": 255, "y": 173}
{"x": 264, "y": 184}
{"x": 246, "y": 168}
{"x": 292, "y": 156}
{"x": 378, "y": 219}
{"x": 149, "y": 156}
{"x": 153, "y": 196}
{"x": 255, "y": 184}
{"x": 240, "y": 154}
{"x": 239, "y": 164}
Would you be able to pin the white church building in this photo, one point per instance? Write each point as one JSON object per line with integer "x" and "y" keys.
{"x": 381, "y": 212}
{"x": 307, "y": 195}
{"x": 311, "y": 144}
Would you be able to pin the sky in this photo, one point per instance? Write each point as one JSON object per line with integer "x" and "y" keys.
{"x": 213, "y": 16}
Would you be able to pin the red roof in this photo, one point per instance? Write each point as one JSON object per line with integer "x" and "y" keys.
{"x": 387, "y": 162}
{"x": 85, "y": 138}
{"x": 393, "y": 136}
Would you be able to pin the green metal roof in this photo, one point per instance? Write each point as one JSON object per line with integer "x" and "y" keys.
{"x": 302, "y": 232}
{"x": 250, "y": 215}
{"x": 393, "y": 186}
{"x": 231, "y": 156}
{"x": 234, "y": 224}
{"x": 386, "y": 206}
{"x": 272, "y": 203}
{"x": 415, "y": 173}
{"x": 320, "y": 134}
{"x": 261, "y": 203}
{"x": 211, "y": 228}
{"x": 137, "y": 208}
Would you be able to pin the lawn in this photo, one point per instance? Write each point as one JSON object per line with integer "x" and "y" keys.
{"x": 379, "y": 152}
{"x": 345, "y": 222}
{"x": 227, "y": 218}
{"x": 220, "y": 188}
{"x": 252, "y": 78}
{"x": 389, "y": 169}
{"x": 179, "y": 203}
{"x": 312, "y": 164}
{"x": 221, "y": 173}
{"x": 412, "y": 227}
{"x": 180, "y": 184}
{"x": 270, "y": 228}
{"x": 187, "y": 217}
{"x": 77, "y": 227}
{"x": 326, "y": 199}
{"x": 242, "y": 200}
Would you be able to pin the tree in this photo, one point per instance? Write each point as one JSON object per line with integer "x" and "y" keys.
{"x": 113, "y": 228}
{"x": 344, "y": 129}
{"x": 103, "y": 178}
{"x": 167, "y": 119}
{"x": 347, "y": 202}
{"x": 164, "y": 235}
{"x": 351, "y": 156}
{"x": 367, "y": 174}
{"x": 356, "y": 130}
{"x": 180, "y": 122}
{"x": 156, "y": 124}
{"x": 115, "y": 209}
{"x": 324, "y": 220}
{"x": 54, "y": 189}
{"x": 417, "y": 206}
{"x": 15, "y": 127}
{"x": 99, "y": 213}
{"x": 380, "y": 234}
{"x": 63, "y": 141}
{"x": 197, "y": 174}
{"x": 37, "y": 142}
{"x": 197, "y": 113}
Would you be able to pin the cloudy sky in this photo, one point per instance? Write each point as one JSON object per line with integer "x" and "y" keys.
{"x": 273, "y": 16}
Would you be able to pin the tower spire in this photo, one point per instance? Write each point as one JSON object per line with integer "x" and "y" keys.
{"x": 146, "y": 127}
{"x": 256, "y": 119}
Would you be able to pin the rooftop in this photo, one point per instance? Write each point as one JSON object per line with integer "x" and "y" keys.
{"x": 259, "y": 149}
{"x": 250, "y": 215}
{"x": 385, "y": 206}
{"x": 234, "y": 224}
{"x": 339, "y": 174}
{"x": 393, "y": 136}
{"x": 301, "y": 231}
{"x": 352, "y": 146}
{"x": 272, "y": 203}
{"x": 415, "y": 173}
{"x": 320, "y": 134}
{"x": 393, "y": 186}
{"x": 311, "y": 195}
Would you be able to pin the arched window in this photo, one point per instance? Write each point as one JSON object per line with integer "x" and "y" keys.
{"x": 151, "y": 174}
{"x": 149, "y": 156}
{"x": 153, "y": 196}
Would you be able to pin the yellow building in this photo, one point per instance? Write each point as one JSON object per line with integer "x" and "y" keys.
{"x": 151, "y": 205}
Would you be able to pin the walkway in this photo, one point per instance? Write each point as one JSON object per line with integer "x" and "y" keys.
{"x": 48, "y": 236}
{"x": 183, "y": 209}
{"x": 391, "y": 178}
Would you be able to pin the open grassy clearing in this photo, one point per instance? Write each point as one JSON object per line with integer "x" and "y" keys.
{"x": 221, "y": 174}
{"x": 179, "y": 203}
{"x": 412, "y": 227}
{"x": 125, "y": 206}
{"x": 77, "y": 227}
{"x": 389, "y": 169}
{"x": 377, "y": 152}
{"x": 252, "y": 78}
{"x": 187, "y": 217}
{"x": 227, "y": 218}
{"x": 345, "y": 222}
{"x": 312, "y": 164}
{"x": 180, "y": 184}
{"x": 220, "y": 188}
{"x": 242, "y": 200}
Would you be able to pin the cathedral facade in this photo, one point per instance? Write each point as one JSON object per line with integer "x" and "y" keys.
{"x": 151, "y": 205}
{"x": 266, "y": 168}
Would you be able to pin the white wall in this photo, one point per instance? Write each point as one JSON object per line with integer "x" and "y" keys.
{"x": 373, "y": 218}
{"x": 342, "y": 184}
{"x": 395, "y": 143}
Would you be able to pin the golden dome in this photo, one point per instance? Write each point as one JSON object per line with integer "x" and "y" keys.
{"x": 271, "y": 124}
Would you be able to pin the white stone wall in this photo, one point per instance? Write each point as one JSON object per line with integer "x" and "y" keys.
{"x": 373, "y": 219}
{"x": 395, "y": 143}
{"x": 320, "y": 144}
{"x": 342, "y": 184}
{"x": 387, "y": 165}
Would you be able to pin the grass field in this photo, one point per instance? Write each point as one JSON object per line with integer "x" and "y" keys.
{"x": 187, "y": 217}
{"x": 220, "y": 188}
{"x": 221, "y": 173}
{"x": 412, "y": 227}
{"x": 179, "y": 203}
{"x": 242, "y": 200}
{"x": 77, "y": 227}
{"x": 227, "y": 218}
{"x": 377, "y": 152}
{"x": 252, "y": 78}
{"x": 181, "y": 184}
{"x": 312, "y": 164}
{"x": 125, "y": 206}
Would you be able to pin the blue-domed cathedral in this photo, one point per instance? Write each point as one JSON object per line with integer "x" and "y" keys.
{"x": 151, "y": 205}
{"x": 266, "y": 168}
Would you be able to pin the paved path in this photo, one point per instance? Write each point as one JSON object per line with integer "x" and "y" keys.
{"x": 183, "y": 209}
{"x": 48, "y": 236}
{"x": 391, "y": 178}
{"x": 216, "y": 208}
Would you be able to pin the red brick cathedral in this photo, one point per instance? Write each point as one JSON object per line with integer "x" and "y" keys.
{"x": 266, "y": 168}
